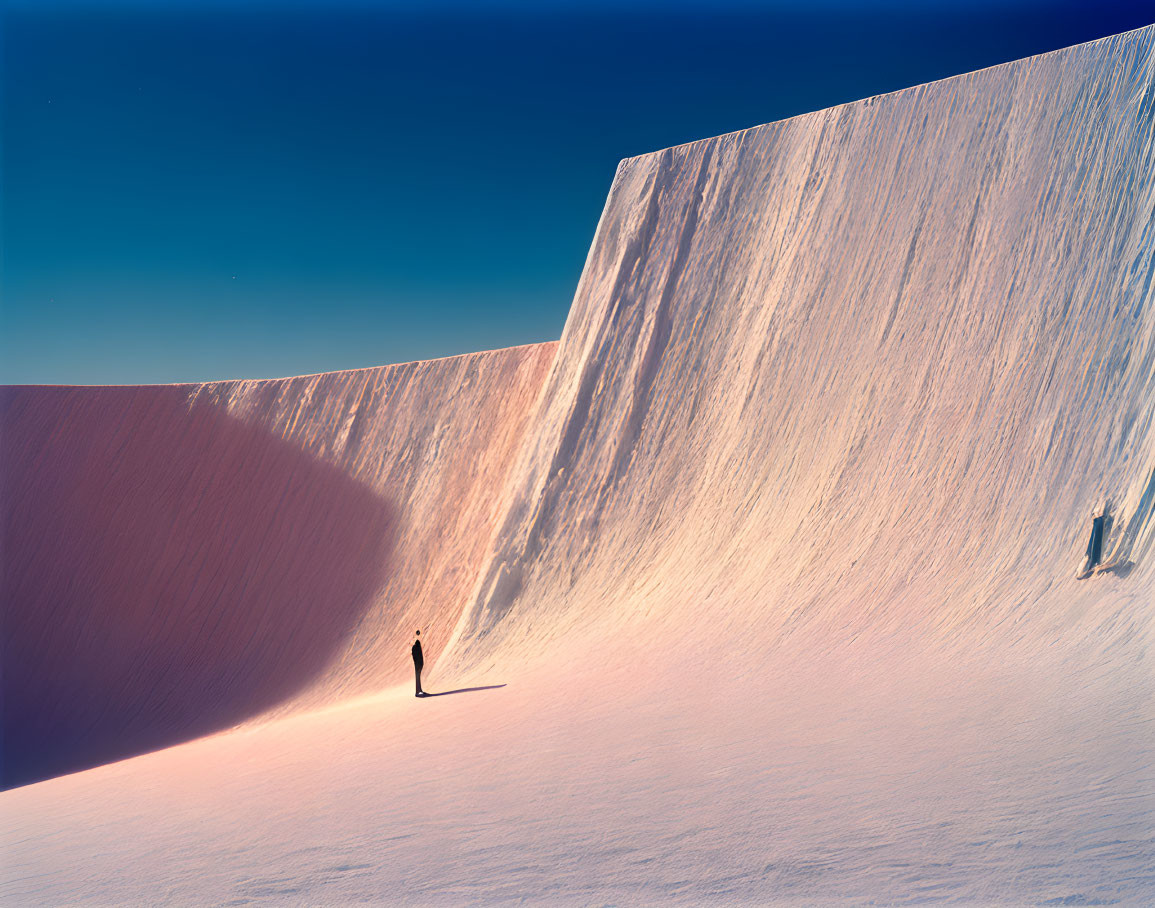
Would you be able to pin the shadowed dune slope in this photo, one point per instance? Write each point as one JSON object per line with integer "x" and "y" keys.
{"x": 437, "y": 438}
{"x": 179, "y": 559}
{"x": 169, "y": 571}
{"x": 865, "y": 371}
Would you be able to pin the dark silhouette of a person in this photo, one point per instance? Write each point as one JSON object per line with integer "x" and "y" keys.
{"x": 418, "y": 663}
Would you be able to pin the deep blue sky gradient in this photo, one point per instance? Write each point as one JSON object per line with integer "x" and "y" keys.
{"x": 196, "y": 191}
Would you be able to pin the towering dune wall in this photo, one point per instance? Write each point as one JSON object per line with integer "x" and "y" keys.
{"x": 178, "y": 559}
{"x": 868, "y": 372}
{"x": 773, "y": 561}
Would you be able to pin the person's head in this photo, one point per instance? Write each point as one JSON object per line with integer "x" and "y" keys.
{"x": 419, "y": 633}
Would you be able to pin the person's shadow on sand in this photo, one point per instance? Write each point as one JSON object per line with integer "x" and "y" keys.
{"x": 462, "y": 690}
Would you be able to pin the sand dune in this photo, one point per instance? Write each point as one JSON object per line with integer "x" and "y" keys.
{"x": 869, "y": 369}
{"x": 766, "y": 588}
{"x": 181, "y": 559}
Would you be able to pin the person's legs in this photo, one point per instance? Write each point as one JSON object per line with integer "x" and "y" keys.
{"x": 417, "y": 674}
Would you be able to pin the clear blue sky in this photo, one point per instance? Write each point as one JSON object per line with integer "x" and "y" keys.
{"x": 215, "y": 190}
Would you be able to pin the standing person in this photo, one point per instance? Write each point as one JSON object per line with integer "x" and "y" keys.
{"x": 418, "y": 663}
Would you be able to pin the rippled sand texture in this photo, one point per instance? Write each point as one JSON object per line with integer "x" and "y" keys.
{"x": 782, "y": 579}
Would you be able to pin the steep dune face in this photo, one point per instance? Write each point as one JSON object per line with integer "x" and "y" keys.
{"x": 438, "y": 438}
{"x": 866, "y": 372}
{"x": 180, "y": 559}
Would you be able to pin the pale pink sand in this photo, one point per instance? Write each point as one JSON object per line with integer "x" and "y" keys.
{"x": 782, "y": 573}
{"x": 815, "y": 781}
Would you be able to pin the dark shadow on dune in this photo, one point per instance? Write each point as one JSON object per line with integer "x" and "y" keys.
{"x": 168, "y": 571}
{"x": 462, "y": 690}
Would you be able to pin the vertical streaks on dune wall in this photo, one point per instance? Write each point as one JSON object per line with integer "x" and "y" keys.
{"x": 866, "y": 369}
{"x": 438, "y": 437}
{"x": 623, "y": 338}
{"x": 180, "y": 559}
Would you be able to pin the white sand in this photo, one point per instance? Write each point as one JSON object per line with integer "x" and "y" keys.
{"x": 782, "y": 587}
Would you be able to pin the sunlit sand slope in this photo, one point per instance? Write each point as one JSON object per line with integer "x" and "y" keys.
{"x": 867, "y": 370}
{"x": 777, "y": 600}
{"x": 182, "y": 558}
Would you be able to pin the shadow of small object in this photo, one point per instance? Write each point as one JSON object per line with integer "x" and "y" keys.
{"x": 1119, "y": 570}
{"x": 462, "y": 690}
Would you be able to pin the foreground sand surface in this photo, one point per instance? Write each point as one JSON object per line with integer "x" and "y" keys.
{"x": 940, "y": 781}
{"x": 763, "y": 586}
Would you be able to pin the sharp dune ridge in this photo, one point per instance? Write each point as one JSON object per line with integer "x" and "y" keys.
{"x": 223, "y": 381}
{"x": 869, "y": 99}
{"x": 766, "y": 583}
